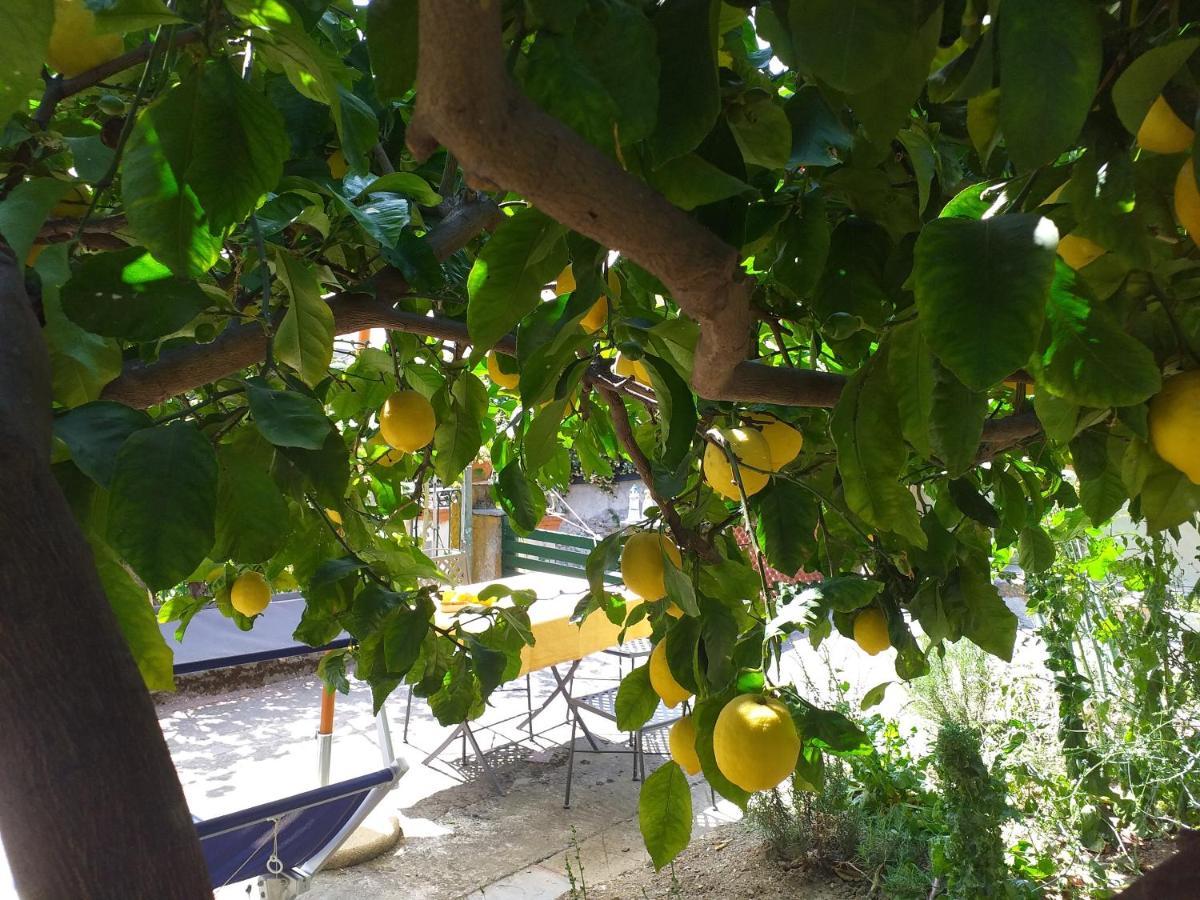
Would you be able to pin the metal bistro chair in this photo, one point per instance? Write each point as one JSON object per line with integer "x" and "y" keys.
{"x": 635, "y": 650}
{"x": 604, "y": 705}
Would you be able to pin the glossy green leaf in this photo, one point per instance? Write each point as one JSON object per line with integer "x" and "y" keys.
{"x": 126, "y": 16}
{"x": 665, "y": 813}
{"x": 1135, "y": 91}
{"x": 507, "y": 278}
{"x": 95, "y": 432}
{"x": 288, "y": 418}
{"x": 987, "y": 620}
{"x": 1050, "y": 66}
{"x": 911, "y": 368}
{"x": 128, "y": 294}
{"x": 1037, "y": 550}
{"x": 689, "y": 98}
{"x": 690, "y": 181}
{"x": 981, "y": 290}
{"x": 252, "y": 520}
{"x": 392, "y": 41}
{"x": 131, "y": 604}
{"x": 636, "y": 700}
{"x": 407, "y": 184}
{"x": 866, "y": 429}
{"x": 677, "y": 408}
{"x": 884, "y": 107}
{"x": 851, "y": 44}
{"x": 762, "y": 131}
{"x": 520, "y": 497}
{"x": 785, "y": 517}
{"x": 1086, "y": 356}
{"x": 162, "y": 502}
{"x": 26, "y": 208}
{"x": 956, "y": 420}
{"x": 621, "y": 53}
{"x": 304, "y": 339}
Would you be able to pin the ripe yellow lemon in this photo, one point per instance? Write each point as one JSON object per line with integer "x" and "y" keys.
{"x": 75, "y": 46}
{"x": 671, "y": 691}
{"x": 595, "y": 317}
{"x": 565, "y": 282}
{"x": 406, "y": 421}
{"x": 754, "y": 463}
{"x": 506, "y": 380}
{"x": 1175, "y": 423}
{"x": 624, "y": 367}
{"x": 250, "y": 594}
{"x": 1078, "y": 251}
{"x": 1187, "y": 201}
{"x": 642, "y": 563}
{"x": 681, "y": 739}
{"x": 74, "y": 203}
{"x": 784, "y": 441}
{"x": 755, "y": 742}
{"x": 334, "y": 516}
{"x": 1164, "y": 132}
{"x": 871, "y": 631}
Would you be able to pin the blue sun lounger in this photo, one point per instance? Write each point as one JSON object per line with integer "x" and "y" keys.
{"x": 285, "y": 842}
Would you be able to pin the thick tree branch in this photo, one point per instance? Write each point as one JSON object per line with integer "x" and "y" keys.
{"x": 239, "y": 346}
{"x": 467, "y": 102}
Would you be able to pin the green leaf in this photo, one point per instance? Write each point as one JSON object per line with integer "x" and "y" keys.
{"x": 252, "y": 521}
{"x": 403, "y": 634}
{"x": 26, "y": 208}
{"x": 24, "y": 41}
{"x": 164, "y": 209}
{"x": 407, "y": 184}
{"x": 804, "y": 248}
{"x": 162, "y": 502}
{"x": 826, "y": 728}
{"x": 972, "y": 503}
{"x": 458, "y": 435}
{"x": 382, "y": 216}
{"x": 689, "y": 98}
{"x": 911, "y": 369}
{"x": 1050, "y": 65}
{"x": 679, "y": 588}
{"x": 288, "y": 418}
{"x": 874, "y": 696}
{"x": 128, "y": 294}
{"x": 358, "y": 129}
{"x": 851, "y": 44}
{"x": 95, "y": 432}
{"x": 866, "y": 429}
{"x": 844, "y": 593}
{"x": 665, "y": 813}
{"x": 1102, "y": 496}
{"x": 1086, "y": 356}
{"x": 677, "y": 410}
{"x": 762, "y": 131}
{"x": 981, "y": 289}
{"x": 785, "y": 519}
{"x": 1140, "y": 84}
{"x": 130, "y": 603}
{"x": 819, "y": 137}
{"x": 557, "y": 79}
{"x": 636, "y": 700}
{"x": 1036, "y": 549}
{"x": 620, "y": 51}
{"x": 520, "y": 497}
{"x": 1059, "y": 417}
{"x": 304, "y": 339}
{"x": 1168, "y": 497}
{"x": 125, "y": 16}
{"x": 507, "y": 278}
{"x": 690, "y": 181}
{"x": 392, "y": 41}
{"x": 884, "y": 107}
{"x": 327, "y": 469}
{"x": 987, "y": 622}
{"x": 541, "y": 438}
{"x": 956, "y": 422}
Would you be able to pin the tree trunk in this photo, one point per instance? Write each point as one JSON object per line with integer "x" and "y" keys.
{"x": 90, "y": 805}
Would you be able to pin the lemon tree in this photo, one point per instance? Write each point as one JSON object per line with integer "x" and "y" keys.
{"x": 870, "y": 291}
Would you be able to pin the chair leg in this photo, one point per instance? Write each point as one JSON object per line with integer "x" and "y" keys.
{"x": 407, "y": 713}
{"x": 570, "y": 762}
{"x": 712, "y": 795}
{"x": 529, "y": 702}
{"x": 637, "y": 752}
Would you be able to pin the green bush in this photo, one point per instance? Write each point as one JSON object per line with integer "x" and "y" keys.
{"x": 970, "y": 858}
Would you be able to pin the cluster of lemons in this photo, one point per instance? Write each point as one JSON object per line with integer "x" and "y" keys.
{"x": 763, "y": 446}
{"x": 755, "y": 741}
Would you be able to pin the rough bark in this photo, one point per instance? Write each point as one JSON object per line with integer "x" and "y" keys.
{"x": 90, "y": 804}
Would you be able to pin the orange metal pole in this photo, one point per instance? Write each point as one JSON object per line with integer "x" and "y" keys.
{"x": 327, "y": 698}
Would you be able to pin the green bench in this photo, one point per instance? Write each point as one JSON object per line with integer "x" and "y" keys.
{"x": 548, "y": 551}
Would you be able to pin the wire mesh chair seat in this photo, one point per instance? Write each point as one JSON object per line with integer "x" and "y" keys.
{"x": 604, "y": 704}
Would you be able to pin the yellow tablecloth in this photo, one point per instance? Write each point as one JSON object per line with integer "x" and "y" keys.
{"x": 556, "y": 638}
